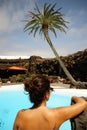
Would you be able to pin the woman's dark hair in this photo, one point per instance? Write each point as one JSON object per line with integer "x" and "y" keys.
{"x": 37, "y": 88}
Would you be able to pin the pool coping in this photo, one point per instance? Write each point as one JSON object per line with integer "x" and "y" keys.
{"x": 57, "y": 89}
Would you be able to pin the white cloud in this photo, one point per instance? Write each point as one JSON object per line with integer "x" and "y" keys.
{"x": 14, "y": 57}
{"x": 28, "y": 53}
{"x": 78, "y": 32}
{"x": 77, "y": 27}
{"x": 4, "y": 20}
{"x": 12, "y": 13}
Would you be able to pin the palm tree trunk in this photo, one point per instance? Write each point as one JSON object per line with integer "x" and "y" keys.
{"x": 73, "y": 81}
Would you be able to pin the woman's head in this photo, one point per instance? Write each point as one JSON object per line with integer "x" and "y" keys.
{"x": 37, "y": 87}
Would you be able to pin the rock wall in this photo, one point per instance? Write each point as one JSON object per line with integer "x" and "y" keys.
{"x": 75, "y": 63}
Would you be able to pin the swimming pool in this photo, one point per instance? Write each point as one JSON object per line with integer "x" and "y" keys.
{"x": 13, "y": 98}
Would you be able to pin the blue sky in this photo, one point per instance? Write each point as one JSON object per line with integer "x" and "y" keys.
{"x": 14, "y": 42}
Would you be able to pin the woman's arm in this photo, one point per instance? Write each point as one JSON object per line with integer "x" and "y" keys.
{"x": 65, "y": 113}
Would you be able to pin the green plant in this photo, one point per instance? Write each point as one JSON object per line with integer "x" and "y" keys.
{"x": 20, "y": 77}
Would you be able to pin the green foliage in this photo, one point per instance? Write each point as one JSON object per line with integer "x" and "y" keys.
{"x": 46, "y": 19}
{"x": 31, "y": 76}
{"x": 45, "y": 74}
{"x": 21, "y": 77}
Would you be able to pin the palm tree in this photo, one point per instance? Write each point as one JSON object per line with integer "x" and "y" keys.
{"x": 48, "y": 20}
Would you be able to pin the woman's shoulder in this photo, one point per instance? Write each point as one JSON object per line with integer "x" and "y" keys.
{"x": 20, "y": 112}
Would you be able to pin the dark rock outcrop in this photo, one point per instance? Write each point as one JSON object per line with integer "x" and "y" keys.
{"x": 75, "y": 63}
{"x": 40, "y": 65}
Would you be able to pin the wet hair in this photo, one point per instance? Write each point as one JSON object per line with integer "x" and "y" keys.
{"x": 37, "y": 88}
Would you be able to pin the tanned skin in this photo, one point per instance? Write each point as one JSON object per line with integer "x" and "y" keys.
{"x": 43, "y": 118}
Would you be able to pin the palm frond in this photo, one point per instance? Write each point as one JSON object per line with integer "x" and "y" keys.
{"x": 53, "y": 30}
{"x": 50, "y": 10}
{"x": 29, "y": 23}
{"x": 40, "y": 31}
{"x": 37, "y": 8}
{"x": 58, "y": 27}
{"x": 49, "y": 18}
{"x": 33, "y": 15}
{"x": 36, "y": 29}
{"x": 46, "y": 8}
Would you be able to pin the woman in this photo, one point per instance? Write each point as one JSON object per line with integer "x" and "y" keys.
{"x": 39, "y": 116}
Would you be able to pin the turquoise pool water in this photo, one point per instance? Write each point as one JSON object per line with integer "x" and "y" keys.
{"x": 12, "y": 101}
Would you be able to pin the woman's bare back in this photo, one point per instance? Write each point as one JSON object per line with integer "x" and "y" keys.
{"x": 43, "y": 118}
{"x": 36, "y": 119}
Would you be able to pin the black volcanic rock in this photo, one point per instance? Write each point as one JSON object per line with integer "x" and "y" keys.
{"x": 75, "y": 63}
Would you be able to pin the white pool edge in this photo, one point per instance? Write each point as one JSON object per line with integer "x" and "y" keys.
{"x": 59, "y": 90}
{"x": 12, "y": 87}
